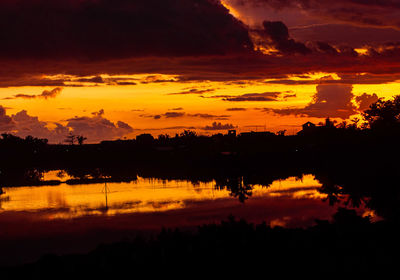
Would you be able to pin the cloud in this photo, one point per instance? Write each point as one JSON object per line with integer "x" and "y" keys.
{"x": 176, "y": 109}
{"x": 25, "y": 125}
{"x": 333, "y": 101}
{"x": 193, "y": 91}
{"x": 218, "y": 126}
{"x": 236, "y": 109}
{"x": 170, "y": 115}
{"x": 6, "y": 122}
{"x": 278, "y": 33}
{"x": 173, "y": 114}
{"x": 44, "y": 95}
{"x": 209, "y": 116}
{"x": 365, "y": 100}
{"x": 265, "y": 96}
{"x": 105, "y": 29}
{"x": 382, "y": 13}
{"x": 186, "y": 39}
{"x": 96, "y": 128}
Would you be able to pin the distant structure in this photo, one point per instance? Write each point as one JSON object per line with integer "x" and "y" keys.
{"x": 310, "y": 127}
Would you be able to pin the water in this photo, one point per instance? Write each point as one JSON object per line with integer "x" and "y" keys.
{"x": 61, "y": 219}
{"x": 289, "y": 202}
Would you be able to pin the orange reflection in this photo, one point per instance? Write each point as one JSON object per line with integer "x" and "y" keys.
{"x": 144, "y": 195}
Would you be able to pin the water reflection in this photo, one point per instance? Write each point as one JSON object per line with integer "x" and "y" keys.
{"x": 146, "y": 195}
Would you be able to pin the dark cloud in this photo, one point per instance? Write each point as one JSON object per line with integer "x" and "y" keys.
{"x": 125, "y": 83}
{"x": 192, "y": 40}
{"x": 229, "y": 68}
{"x": 193, "y": 91}
{"x": 330, "y": 101}
{"x": 342, "y": 34}
{"x": 45, "y": 94}
{"x": 379, "y": 13}
{"x": 156, "y": 79}
{"x": 279, "y": 36}
{"x": 170, "y": 115}
{"x": 218, "y": 126}
{"x": 236, "y": 109}
{"x": 102, "y": 29}
{"x": 344, "y": 78}
{"x": 176, "y": 109}
{"x": 97, "y": 80}
{"x": 173, "y": 114}
{"x": 209, "y": 116}
{"x": 265, "y": 96}
{"x": 365, "y": 100}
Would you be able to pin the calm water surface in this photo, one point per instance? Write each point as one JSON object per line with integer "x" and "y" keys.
{"x": 289, "y": 202}
{"x": 65, "y": 219}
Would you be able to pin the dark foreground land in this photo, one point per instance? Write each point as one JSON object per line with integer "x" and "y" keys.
{"x": 349, "y": 244}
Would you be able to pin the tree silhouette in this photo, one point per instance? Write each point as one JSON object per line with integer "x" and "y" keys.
{"x": 383, "y": 114}
{"x": 80, "y": 139}
{"x": 70, "y": 139}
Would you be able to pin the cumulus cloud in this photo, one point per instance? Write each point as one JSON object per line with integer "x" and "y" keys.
{"x": 365, "y": 100}
{"x": 329, "y": 101}
{"x": 22, "y": 125}
{"x": 96, "y": 128}
{"x": 6, "y": 122}
{"x": 218, "y": 126}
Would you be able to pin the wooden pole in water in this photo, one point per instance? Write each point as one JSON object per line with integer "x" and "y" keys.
{"x": 105, "y": 192}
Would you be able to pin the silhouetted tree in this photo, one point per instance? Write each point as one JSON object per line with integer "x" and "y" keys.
{"x": 383, "y": 114}
{"x": 188, "y": 134}
{"x": 80, "y": 139}
{"x": 70, "y": 139}
{"x": 281, "y": 132}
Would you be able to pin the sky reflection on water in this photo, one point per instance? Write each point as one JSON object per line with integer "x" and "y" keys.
{"x": 149, "y": 195}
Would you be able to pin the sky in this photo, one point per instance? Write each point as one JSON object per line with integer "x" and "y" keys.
{"x": 113, "y": 69}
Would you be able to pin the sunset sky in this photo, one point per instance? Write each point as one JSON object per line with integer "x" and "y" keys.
{"x": 113, "y": 69}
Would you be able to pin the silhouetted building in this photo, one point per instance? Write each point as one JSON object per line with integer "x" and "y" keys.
{"x": 308, "y": 126}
